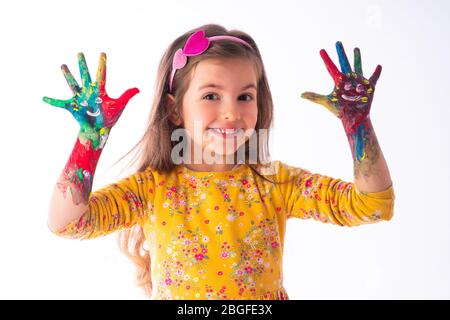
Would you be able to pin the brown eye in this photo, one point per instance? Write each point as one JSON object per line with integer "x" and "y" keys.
{"x": 247, "y": 95}
{"x": 209, "y": 95}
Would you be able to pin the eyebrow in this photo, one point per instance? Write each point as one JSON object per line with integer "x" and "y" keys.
{"x": 213, "y": 85}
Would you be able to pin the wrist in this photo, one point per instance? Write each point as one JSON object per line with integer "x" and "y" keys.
{"x": 97, "y": 137}
{"x": 79, "y": 171}
{"x": 358, "y": 122}
{"x": 361, "y": 138}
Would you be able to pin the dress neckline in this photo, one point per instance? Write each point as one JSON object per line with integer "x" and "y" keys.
{"x": 237, "y": 168}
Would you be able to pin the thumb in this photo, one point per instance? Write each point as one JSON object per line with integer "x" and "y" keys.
{"x": 320, "y": 99}
{"x": 127, "y": 95}
{"x": 314, "y": 97}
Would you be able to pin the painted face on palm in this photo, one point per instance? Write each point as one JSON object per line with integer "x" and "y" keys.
{"x": 350, "y": 99}
{"x": 352, "y": 95}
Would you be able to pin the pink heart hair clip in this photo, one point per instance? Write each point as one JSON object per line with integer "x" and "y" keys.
{"x": 195, "y": 45}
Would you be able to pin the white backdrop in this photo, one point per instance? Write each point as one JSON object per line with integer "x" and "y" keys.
{"x": 406, "y": 258}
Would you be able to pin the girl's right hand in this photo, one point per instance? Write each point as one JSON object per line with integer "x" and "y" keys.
{"x": 94, "y": 110}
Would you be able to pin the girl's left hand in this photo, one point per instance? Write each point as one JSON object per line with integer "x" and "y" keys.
{"x": 353, "y": 94}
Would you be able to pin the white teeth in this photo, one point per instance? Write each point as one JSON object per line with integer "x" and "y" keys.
{"x": 228, "y": 132}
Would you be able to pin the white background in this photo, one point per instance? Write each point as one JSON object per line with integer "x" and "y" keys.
{"x": 406, "y": 258}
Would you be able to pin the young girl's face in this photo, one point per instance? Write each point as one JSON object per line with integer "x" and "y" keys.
{"x": 222, "y": 95}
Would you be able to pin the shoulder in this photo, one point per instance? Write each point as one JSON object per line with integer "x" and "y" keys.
{"x": 279, "y": 170}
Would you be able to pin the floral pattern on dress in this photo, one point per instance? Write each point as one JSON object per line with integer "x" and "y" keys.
{"x": 259, "y": 247}
{"x": 219, "y": 235}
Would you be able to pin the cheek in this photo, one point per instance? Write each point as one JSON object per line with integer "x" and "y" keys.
{"x": 205, "y": 116}
{"x": 250, "y": 115}
{"x": 199, "y": 114}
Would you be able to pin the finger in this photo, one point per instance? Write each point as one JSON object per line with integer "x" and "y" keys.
{"x": 357, "y": 63}
{"x": 343, "y": 60}
{"x": 101, "y": 72}
{"x": 375, "y": 75}
{"x": 57, "y": 103}
{"x": 331, "y": 67}
{"x": 84, "y": 71}
{"x": 73, "y": 84}
{"x": 320, "y": 99}
{"x": 127, "y": 95}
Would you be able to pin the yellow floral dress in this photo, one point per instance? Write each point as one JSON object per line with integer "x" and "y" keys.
{"x": 220, "y": 235}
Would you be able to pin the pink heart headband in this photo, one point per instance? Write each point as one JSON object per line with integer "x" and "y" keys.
{"x": 195, "y": 45}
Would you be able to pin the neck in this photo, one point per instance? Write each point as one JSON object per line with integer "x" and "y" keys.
{"x": 210, "y": 167}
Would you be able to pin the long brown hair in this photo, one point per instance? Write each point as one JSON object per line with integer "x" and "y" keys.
{"x": 154, "y": 148}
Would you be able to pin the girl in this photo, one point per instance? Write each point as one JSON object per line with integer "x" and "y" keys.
{"x": 213, "y": 230}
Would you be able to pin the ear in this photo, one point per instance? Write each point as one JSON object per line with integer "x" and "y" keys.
{"x": 173, "y": 115}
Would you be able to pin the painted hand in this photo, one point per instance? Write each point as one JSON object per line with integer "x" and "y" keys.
{"x": 93, "y": 109}
{"x": 352, "y": 94}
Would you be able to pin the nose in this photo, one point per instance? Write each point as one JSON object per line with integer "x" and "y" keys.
{"x": 230, "y": 111}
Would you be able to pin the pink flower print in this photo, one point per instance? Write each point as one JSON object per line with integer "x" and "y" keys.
{"x": 216, "y": 208}
{"x": 206, "y": 221}
{"x": 199, "y": 256}
{"x": 195, "y": 250}
{"x": 306, "y": 192}
{"x": 224, "y": 254}
{"x": 226, "y": 196}
{"x": 274, "y": 244}
{"x": 168, "y": 194}
{"x": 187, "y": 242}
{"x": 239, "y": 272}
{"x": 241, "y": 213}
{"x": 219, "y": 273}
{"x": 173, "y": 189}
{"x": 168, "y": 281}
{"x": 248, "y": 270}
{"x": 244, "y": 182}
{"x": 308, "y": 183}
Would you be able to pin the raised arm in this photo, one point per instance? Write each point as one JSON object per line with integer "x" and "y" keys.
{"x": 96, "y": 113}
{"x": 350, "y": 101}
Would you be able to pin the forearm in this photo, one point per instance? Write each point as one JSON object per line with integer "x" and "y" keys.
{"x": 371, "y": 173}
{"x": 71, "y": 193}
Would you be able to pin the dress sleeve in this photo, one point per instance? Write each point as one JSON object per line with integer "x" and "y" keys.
{"x": 114, "y": 207}
{"x": 330, "y": 200}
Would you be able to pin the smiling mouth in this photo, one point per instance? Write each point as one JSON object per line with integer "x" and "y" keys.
{"x": 226, "y": 133}
{"x": 95, "y": 114}
{"x": 351, "y": 98}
